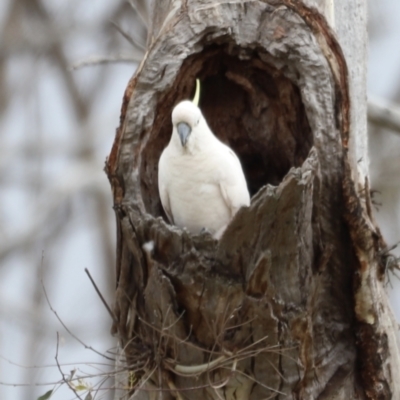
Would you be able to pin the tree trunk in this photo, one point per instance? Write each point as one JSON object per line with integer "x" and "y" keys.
{"x": 289, "y": 303}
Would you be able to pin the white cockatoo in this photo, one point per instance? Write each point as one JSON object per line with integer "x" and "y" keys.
{"x": 200, "y": 179}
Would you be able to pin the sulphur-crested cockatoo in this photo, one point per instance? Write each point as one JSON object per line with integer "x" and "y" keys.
{"x": 200, "y": 179}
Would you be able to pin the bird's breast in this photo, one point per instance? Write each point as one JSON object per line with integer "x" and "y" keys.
{"x": 195, "y": 197}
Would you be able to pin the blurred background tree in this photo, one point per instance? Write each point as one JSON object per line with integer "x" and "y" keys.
{"x": 60, "y": 97}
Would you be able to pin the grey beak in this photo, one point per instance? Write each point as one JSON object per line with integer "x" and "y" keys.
{"x": 183, "y": 131}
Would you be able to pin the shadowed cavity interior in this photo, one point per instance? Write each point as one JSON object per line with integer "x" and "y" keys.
{"x": 249, "y": 104}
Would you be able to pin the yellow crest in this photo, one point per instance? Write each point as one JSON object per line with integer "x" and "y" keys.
{"x": 196, "y": 97}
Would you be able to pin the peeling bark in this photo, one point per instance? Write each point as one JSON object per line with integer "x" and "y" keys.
{"x": 287, "y": 303}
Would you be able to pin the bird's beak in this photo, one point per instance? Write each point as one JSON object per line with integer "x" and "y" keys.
{"x": 183, "y": 131}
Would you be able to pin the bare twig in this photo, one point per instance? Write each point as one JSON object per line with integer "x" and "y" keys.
{"x": 135, "y": 43}
{"x": 140, "y": 8}
{"x": 112, "y": 315}
{"x": 61, "y": 371}
{"x": 99, "y": 60}
{"x": 384, "y": 114}
{"x": 66, "y": 328}
{"x": 194, "y": 370}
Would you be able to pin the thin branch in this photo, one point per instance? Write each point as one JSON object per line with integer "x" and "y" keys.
{"x": 99, "y": 60}
{"x": 66, "y": 328}
{"x": 112, "y": 315}
{"x": 61, "y": 372}
{"x": 384, "y": 114}
{"x": 135, "y": 43}
{"x": 141, "y": 10}
{"x": 193, "y": 370}
{"x": 83, "y": 363}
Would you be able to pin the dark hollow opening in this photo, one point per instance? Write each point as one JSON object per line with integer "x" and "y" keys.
{"x": 249, "y": 104}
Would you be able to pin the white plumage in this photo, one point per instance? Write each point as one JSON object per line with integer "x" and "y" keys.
{"x": 200, "y": 179}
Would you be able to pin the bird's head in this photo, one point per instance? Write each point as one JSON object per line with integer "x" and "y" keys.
{"x": 186, "y": 117}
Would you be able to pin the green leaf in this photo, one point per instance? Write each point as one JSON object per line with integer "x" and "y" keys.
{"x": 46, "y": 396}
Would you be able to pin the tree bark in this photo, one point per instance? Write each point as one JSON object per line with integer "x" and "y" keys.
{"x": 289, "y": 303}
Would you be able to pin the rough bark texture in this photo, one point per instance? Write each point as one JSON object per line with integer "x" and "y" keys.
{"x": 286, "y": 304}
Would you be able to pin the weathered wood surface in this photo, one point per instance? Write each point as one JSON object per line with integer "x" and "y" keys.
{"x": 283, "y": 305}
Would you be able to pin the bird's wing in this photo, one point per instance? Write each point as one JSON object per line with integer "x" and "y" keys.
{"x": 163, "y": 186}
{"x": 233, "y": 184}
{"x": 166, "y": 205}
